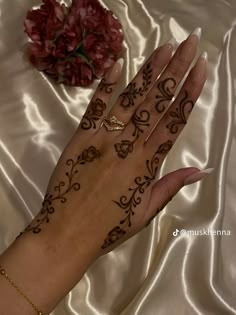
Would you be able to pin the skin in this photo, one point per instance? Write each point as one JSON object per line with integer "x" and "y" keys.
{"x": 104, "y": 188}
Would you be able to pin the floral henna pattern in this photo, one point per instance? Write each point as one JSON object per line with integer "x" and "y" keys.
{"x": 94, "y": 113}
{"x": 180, "y": 113}
{"x": 105, "y": 86}
{"x": 62, "y": 189}
{"x": 126, "y": 146}
{"x": 164, "y": 87}
{"x": 132, "y": 92}
{"x": 113, "y": 236}
{"x": 128, "y": 204}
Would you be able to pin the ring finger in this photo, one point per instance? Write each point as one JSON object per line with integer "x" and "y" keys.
{"x": 161, "y": 94}
{"x": 94, "y": 114}
{"x": 138, "y": 88}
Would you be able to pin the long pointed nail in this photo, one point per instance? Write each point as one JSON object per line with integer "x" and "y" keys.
{"x": 199, "y": 71}
{"x": 197, "y": 176}
{"x": 204, "y": 56}
{"x": 121, "y": 62}
{"x": 172, "y": 42}
{"x": 114, "y": 73}
{"x": 197, "y": 32}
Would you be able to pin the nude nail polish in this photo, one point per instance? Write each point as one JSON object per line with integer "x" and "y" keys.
{"x": 204, "y": 56}
{"x": 172, "y": 42}
{"x": 121, "y": 62}
{"x": 114, "y": 73}
{"x": 197, "y": 32}
{"x": 198, "y": 176}
{"x": 199, "y": 71}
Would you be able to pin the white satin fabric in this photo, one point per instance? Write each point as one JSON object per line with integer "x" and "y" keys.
{"x": 155, "y": 272}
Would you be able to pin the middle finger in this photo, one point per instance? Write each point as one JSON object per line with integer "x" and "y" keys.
{"x": 159, "y": 97}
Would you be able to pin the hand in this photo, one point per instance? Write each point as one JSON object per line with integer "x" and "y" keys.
{"x": 103, "y": 188}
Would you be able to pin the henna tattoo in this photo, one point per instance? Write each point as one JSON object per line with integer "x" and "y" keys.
{"x": 126, "y": 146}
{"x": 179, "y": 114}
{"x": 94, "y": 113}
{"x": 132, "y": 92}
{"x": 62, "y": 189}
{"x": 142, "y": 119}
{"x": 128, "y": 204}
{"x": 113, "y": 236}
{"x": 164, "y": 87}
{"x": 107, "y": 87}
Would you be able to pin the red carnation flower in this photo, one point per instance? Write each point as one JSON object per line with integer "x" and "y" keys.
{"x": 75, "y": 72}
{"x": 74, "y": 45}
{"x": 42, "y": 24}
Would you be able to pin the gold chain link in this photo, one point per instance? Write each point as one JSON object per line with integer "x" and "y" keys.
{"x": 4, "y": 274}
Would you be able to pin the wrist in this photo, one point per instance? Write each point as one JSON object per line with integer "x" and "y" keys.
{"x": 45, "y": 266}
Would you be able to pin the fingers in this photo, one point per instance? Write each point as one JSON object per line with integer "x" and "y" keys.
{"x": 94, "y": 114}
{"x": 138, "y": 88}
{"x": 164, "y": 89}
{"x": 168, "y": 186}
{"x": 165, "y": 189}
{"x": 175, "y": 118}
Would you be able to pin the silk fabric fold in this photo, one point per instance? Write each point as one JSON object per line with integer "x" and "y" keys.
{"x": 155, "y": 272}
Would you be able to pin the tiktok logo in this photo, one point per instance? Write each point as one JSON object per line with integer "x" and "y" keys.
{"x": 176, "y": 232}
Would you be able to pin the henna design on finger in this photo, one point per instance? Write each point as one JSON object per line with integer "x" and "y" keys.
{"x": 129, "y": 96}
{"x": 142, "y": 119}
{"x": 94, "y": 113}
{"x": 164, "y": 87}
{"x": 179, "y": 114}
{"x": 126, "y": 146}
{"x": 61, "y": 190}
{"x": 106, "y": 86}
{"x": 129, "y": 203}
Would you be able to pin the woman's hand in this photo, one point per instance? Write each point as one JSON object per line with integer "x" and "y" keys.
{"x": 103, "y": 189}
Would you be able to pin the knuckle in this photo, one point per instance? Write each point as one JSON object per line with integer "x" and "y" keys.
{"x": 178, "y": 67}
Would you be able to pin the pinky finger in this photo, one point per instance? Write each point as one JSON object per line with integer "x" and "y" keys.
{"x": 169, "y": 185}
{"x": 94, "y": 114}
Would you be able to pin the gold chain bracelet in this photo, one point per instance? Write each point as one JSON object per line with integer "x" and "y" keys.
{"x": 4, "y": 274}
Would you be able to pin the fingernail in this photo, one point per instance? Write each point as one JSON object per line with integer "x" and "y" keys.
{"x": 197, "y": 32}
{"x": 121, "y": 62}
{"x": 199, "y": 71}
{"x": 204, "y": 56}
{"x": 114, "y": 73}
{"x": 172, "y": 43}
{"x": 197, "y": 176}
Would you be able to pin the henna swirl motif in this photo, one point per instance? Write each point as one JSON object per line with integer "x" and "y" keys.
{"x": 132, "y": 92}
{"x": 128, "y": 204}
{"x": 93, "y": 114}
{"x": 105, "y": 86}
{"x": 126, "y": 146}
{"x": 62, "y": 189}
{"x": 164, "y": 87}
{"x": 179, "y": 114}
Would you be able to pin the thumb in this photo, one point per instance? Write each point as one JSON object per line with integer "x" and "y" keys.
{"x": 169, "y": 185}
